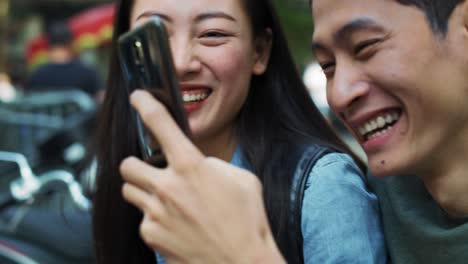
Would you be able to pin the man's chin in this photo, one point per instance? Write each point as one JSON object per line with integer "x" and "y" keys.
{"x": 382, "y": 168}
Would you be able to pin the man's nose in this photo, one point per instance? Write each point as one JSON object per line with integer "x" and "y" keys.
{"x": 347, "y": 88}
{"x": 186, "y": 60}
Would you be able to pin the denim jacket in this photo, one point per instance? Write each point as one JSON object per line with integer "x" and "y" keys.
{"x": 340, "y": 216}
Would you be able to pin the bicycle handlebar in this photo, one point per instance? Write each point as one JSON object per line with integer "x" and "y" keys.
{"x": 30, "y": 185}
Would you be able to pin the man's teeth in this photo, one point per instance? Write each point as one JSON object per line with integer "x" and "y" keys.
{"x": 188, "y": 98}
{"x": 378, "y": 133}
{"x": 374, "y": 127}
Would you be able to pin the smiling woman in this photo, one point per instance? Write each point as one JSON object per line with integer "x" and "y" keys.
{"x": 201, "y": 41}
{"x": 246, "y": 104}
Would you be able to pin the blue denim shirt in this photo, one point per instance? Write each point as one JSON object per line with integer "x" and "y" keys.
{"x": 340, "y": 216}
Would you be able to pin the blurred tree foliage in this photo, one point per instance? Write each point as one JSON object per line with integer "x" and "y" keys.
{"x": 296, "y": 19}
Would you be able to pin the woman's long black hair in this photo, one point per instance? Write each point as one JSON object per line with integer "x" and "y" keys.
{"x": 277, "y": 120}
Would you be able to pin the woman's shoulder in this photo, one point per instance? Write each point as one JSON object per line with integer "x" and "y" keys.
{"x": 331, "y": 164}
{"x": 337, "y": 206}
{"x": 335, "y": 176}
{"x": 334, "y": 167}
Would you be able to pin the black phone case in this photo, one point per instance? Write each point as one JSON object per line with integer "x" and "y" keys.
{"x": 146, "y": 62}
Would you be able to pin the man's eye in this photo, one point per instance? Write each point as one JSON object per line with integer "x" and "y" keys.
{"x": 362, "y": 46}
{"x": 328, "y": 68}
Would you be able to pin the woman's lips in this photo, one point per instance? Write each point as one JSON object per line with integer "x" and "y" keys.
{"x": 194, "y": 98}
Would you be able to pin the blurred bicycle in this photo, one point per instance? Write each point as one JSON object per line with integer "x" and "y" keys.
{"x": 45, "y": 178}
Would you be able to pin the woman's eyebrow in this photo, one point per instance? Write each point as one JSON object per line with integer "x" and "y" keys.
{"x": 198, "y": 19}
{"x": 214, "y": 14}
{"x": 153, "y": 13}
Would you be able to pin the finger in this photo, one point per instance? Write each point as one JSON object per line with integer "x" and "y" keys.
{"x": 157, "y": 237}
{"x": 147, "y": 203}
{"x": 157, "y": 119}
{"x": 135, "y": 196}
{"x": 153, "y": 182}
{"x": 170, "y": 190}
{"x": 139, "y": 173}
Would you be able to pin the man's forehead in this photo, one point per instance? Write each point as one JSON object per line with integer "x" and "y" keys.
{"x": 331, "y": 15}
{"x": 321, "y": 8}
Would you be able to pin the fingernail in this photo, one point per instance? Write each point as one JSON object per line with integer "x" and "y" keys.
{"x": 135, "y": 93}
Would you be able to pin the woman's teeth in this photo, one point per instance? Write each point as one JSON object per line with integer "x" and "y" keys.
{"x": 378, "y": 125}
{"x": 190, "y": 98}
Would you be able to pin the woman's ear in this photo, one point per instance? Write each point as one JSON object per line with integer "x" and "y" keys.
{"x": 263, "y": 44}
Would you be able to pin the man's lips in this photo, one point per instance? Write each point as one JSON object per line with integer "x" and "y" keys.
{"x": 374, "y": 124}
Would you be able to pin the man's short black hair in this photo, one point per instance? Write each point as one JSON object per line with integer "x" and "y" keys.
{"x": 59, "y": 34}
{"x": 437, "y": 11}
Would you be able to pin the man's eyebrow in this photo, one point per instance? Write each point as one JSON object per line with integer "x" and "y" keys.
{"x": 317, "y": 46}
{"x": 345, "y": 31}
{"x": 355, "y": 25}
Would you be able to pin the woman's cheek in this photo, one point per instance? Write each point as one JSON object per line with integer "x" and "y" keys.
{"x": 231, "y": 65}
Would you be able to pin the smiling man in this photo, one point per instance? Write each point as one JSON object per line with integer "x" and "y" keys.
{"x": 397, "y": 74}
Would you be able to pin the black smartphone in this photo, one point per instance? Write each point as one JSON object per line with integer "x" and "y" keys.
{"x": 146, "y": 62}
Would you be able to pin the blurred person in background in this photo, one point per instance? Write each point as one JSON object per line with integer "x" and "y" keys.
{"x": 64, "y": 70}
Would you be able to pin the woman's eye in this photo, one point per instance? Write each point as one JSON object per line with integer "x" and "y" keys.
{"x": 214, "y": 34}
{"x": 213, "y": 38}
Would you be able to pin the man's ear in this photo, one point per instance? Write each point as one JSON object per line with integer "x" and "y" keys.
{"x": 464, "y": 10}
{"x": 263, "y": 44}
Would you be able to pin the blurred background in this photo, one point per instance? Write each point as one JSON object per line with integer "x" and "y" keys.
{"x": 46, "y": 172}
{"x": 24, "y": 48}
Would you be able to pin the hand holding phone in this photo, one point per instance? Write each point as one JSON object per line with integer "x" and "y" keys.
{"x": 146, "y": 62}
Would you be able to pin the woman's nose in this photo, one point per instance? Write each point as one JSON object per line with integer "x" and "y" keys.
{"x": 186, "y": 60}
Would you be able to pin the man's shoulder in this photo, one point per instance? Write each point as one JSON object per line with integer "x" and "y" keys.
{"x": 412, "y": 217}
